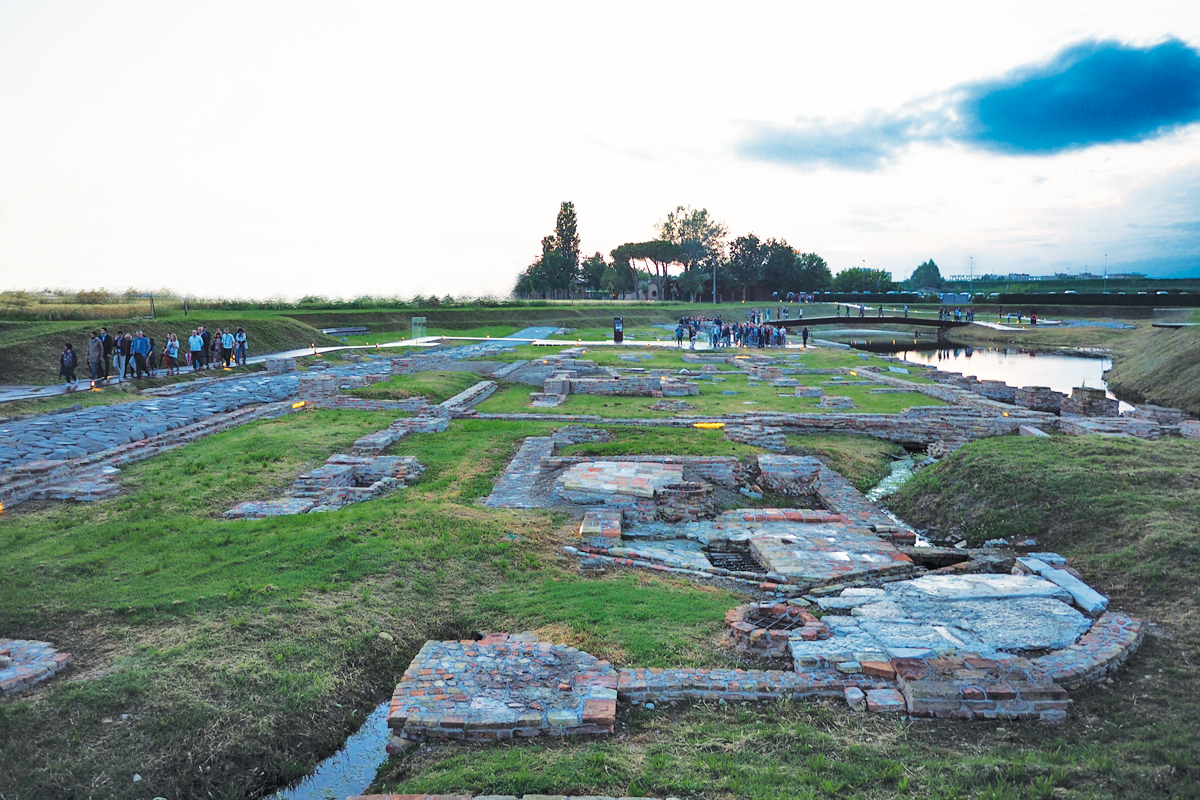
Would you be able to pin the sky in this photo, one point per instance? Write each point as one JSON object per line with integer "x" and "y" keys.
{"x": 278, "y": 149}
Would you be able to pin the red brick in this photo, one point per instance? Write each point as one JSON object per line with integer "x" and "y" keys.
{"x": 599, "y": 712}
{"x": 879, "y": 669}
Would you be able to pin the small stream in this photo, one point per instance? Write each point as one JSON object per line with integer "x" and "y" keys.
{"x": 351, "y": 769}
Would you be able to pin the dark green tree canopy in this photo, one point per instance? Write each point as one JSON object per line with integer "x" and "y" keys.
{"x": 658, "y": 252}
{"x": 926, "y": 275}
{"x": 745, "y": 263}
{"x": 858, "y": 279}
{"x": 812, "y": 274}
{"x": 566, "y": 233}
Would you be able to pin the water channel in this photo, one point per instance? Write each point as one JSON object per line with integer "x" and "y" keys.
{"x": 1016, "y": 367}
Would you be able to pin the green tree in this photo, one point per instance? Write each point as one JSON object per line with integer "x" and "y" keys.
{"x": 698, "y": 235}
{"x": 745, "y": 263}
{"x": 779, "y": 266}
{"x": 566, "y": 234}
{"x": 591, "y": 270}
{"x": 858, "y": 279}
{"x": 926, "y": 275}
{"x": 812, "y": 274}
{"x": 659, "y": 253}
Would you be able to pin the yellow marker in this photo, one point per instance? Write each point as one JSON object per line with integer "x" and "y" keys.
{"x": 298, "y": 404}
{"x": 708, "y": 425}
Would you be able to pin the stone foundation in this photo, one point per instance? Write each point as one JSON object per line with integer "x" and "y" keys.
{"x": 503, "y": 687}
{"x": 24, "y": 662}
{"x": 1089, "y": 403}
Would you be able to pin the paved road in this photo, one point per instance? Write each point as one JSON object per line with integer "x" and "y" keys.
{"x": 75, "y": 434}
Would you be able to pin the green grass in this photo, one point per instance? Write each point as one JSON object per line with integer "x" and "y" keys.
{"x": 711, "y": 400}
{"x": 433, "y": 386}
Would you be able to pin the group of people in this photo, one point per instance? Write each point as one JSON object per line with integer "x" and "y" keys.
{"x": 137, "y": 355}
{"x": 957, "y": 314}
{"x": 752, "y": 333}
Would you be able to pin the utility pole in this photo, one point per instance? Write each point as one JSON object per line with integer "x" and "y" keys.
{"x": 714, "y": 281}
{"x": 971, "y": 280}
{"x": 1106, "y": 273}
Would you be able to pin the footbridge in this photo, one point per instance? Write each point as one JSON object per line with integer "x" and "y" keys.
{"x": 888, "y": 320}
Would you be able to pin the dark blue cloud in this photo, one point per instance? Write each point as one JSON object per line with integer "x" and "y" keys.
{"x": 1090, "y": 93}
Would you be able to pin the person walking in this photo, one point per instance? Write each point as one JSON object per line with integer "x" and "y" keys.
{"x": 67, "y": 362}
{"x": 95, "y": 356}
{"x": 152, "y": 357}
{"x": 106, "y": 347}
{"x": 139, "y": 347}
{"x": 206, "y": 340}
{"x": 226, "y": 347}
{"x": 127, "y": 362}
{"x": 196, "y": 343}
{"x": 240, "y": 338}
{"x": 171, "y": 352}
{"x": 804, "y": 337}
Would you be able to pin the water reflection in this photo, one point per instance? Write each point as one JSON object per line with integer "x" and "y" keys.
{"x": 1014, "y": 366}
{"x": 350, "y": 770}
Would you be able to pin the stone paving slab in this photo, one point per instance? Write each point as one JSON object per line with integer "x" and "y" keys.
{"x": 515, "y": 489}
{"x": 601, "y": 478}
{"x": 24, "y": 662}
{"x": 503, "y": 687}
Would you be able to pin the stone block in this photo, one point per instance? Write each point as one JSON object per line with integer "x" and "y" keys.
{"x": 885, "y": 701}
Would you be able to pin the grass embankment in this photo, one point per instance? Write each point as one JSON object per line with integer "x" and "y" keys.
{"x": 29, "y": 353}
{"x": 1159, "y": 366}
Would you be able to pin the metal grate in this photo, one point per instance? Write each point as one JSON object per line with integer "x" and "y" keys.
{"x": 735, "y": 562}
{"x": 771, "y": 622}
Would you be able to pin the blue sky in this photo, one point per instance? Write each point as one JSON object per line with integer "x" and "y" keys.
{"x": 291, "y": 148}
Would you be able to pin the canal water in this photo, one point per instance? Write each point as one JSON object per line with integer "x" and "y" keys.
{"x": 350, "y": 770}
{"x": 1016, "y": 367}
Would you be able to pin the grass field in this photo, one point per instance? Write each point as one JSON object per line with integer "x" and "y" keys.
{"x": 711, "y": 400}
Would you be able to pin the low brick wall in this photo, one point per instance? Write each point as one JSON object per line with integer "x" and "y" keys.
{"x": 979, "y": 688}
{"x": 737, "y": 685}
{"x": 317, "y": 389}
{"x": 1085, "y": 402}
{"x": 280, "y": 366}
{"x": 1108, "y": 645}
{"x": 794, "y": 475}
{"x": 1039, "y": 398}
{"x": 625, "y": 386}
{"x": 766, "y": 437}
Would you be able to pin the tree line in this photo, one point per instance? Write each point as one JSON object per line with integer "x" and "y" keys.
{"x": 697, "y": 245}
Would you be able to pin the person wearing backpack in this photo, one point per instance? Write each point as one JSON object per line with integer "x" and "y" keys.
{"x": 67, "y": 362}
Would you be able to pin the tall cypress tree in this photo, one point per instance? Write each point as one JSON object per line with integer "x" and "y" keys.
{"x": 566, "y": 234}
